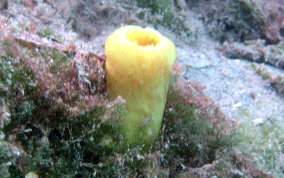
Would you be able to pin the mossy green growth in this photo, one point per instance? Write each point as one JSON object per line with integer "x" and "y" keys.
{"x": 54, "y": 142}
{"x": 163, "y": 7}
{"x": 164, "y": 13}
{"x": 87, "y": 144}
{"x": 17, "y": 80}
{"x": 15, "y": 75}
{"x": 190, "y": 138}
{"x": 264, "y": 74}
{"x": 156, "y": 5}
{"x": 54, "y": 59}
{"x": 264, "y": 144}
{"x": 49, "y": 34}
{"x": 6, "y": 157}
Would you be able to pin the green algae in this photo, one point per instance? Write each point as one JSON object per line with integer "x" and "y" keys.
{"x": 89, "y": 143}
{"x": 165, "y": 10}
{"x": 190, "y": 138}
{"x": 264, "y": 145}
{"x": 156, "y": 5}
{"x": 50, "y": 34}
{"x": 45, "y": 33}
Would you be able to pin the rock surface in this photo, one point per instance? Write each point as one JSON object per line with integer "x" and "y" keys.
{"x": 227, "y": 68}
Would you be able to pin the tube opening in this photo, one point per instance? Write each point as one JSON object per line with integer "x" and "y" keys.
{"x": 143, "y": 38}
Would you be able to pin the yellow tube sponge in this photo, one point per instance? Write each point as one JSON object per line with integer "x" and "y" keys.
{"x": 139, "y": 64}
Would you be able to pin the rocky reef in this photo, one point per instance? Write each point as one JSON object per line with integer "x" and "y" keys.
{"x": 224, "y": 111}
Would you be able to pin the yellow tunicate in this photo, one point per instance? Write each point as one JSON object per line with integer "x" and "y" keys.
{"x": 139, "y": 64}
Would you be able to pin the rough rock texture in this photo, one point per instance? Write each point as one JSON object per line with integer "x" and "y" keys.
{"x": 256, "y": 51}
{"x": 241, "y": 20}
{"x": 274, "y": 19}
{"x": 274, "y": 76}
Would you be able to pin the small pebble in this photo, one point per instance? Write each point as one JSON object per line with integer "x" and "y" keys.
{"x": 31, "y": 175}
